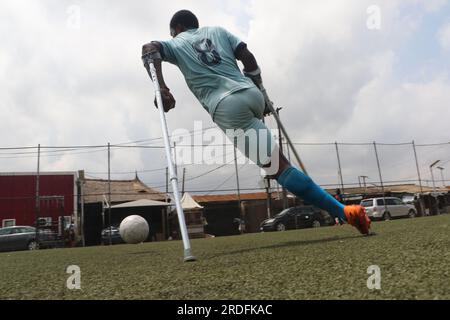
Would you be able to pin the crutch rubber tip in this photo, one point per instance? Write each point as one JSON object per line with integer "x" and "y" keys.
{"x": 188, "y": 257}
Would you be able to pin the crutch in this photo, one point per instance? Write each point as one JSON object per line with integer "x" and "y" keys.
{"x": 269, "y": 103}
{"x": 148, "y": 63}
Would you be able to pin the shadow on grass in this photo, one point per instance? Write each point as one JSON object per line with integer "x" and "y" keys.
{"x": 298, "y": 243}
{"x": 142, "y": 253}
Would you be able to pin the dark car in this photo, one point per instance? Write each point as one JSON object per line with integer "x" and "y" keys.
{"x": 24, "y": 238}
{"x": 115, "y": 236}
{"x": 297, "y": 218}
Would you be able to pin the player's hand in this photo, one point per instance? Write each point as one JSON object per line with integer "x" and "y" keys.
{"x": 268, "y": 103}
{"x": 267, "y": 110}
{"x": 167, "y": 99}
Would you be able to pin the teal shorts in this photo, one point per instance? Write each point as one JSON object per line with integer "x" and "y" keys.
{"x": 239, "y": 116}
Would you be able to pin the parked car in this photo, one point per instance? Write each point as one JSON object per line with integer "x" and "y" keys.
{"x": 115, "y": 236}
{"x": 394, "y": 208}
{"x": 297, "y": 218}
{"x": 24, "y": 238}
{"x": 409, "y": 199}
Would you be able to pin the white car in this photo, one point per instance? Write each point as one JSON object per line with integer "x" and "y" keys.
{"x": 394, "y": 208}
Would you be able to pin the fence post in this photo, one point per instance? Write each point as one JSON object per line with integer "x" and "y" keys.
{"x": 38, "y": 200}
{"x": 109, "y": 193}
{"x": 380, "y": 175}
{"x": 269, "y": 198}
{"x": 183, "y": 181}
{"x": 421, "y": 204}
{"x": 340, "y": 168}
{"x": 238, "y": 190}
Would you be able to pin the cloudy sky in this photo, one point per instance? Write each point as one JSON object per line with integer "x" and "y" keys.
{"x": 349, "y": 71}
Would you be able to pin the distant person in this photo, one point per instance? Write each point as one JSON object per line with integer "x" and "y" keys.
{"x": 416, "y": 204}
{"x": 241, "y": 224}
{"x": 339, "y": 196}
{"x": 207, "y": 59}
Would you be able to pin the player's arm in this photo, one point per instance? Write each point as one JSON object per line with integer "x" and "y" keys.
{"x": 247, "y": 58}
{"x": 153, "y": 50}
{"x": 252, "y": 71}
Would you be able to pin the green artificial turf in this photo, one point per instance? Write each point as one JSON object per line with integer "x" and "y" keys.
{"x": 325, "y": 263}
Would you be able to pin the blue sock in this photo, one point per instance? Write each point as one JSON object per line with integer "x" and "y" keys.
{"x": 302, "y": 186}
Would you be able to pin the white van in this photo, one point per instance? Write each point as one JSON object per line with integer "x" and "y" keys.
{"x": 396, "y": 208}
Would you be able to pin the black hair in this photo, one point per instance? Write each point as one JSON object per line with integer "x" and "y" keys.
{"x": 184, "y": 18}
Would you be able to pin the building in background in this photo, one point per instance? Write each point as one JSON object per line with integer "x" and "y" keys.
{"x": 57, "y": 205}
{"x": 426, "y": 200}
{"x": 193, "y": 214}
{"x": 126, "y": 199}
{"x": 223, "y": 214}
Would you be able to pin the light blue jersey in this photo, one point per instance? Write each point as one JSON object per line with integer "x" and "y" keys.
{"x": 206, "y": 57}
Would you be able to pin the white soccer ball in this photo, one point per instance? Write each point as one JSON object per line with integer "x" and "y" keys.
{"x": 134, "y": 229}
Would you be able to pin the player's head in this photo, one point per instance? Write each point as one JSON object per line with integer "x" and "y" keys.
{"x": 181, "y": 21}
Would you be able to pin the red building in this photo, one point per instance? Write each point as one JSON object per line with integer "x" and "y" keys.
{"x": 57, "y": 193}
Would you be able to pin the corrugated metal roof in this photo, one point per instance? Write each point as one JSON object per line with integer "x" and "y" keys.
{"x": 121, "y": 191}
{"x": 141, "y": 203}
{"x": 400, "y": 188}
{"x": 404, "y": 188}
{"x": 230, "y": 197}
{"x": 47, "y": 173}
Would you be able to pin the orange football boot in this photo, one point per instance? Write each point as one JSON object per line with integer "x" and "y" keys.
{"x": 357, "y": 217}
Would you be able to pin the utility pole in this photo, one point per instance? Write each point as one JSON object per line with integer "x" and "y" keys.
{"x": 104, "y": 204}
{"x": 167, "y": 183}
{"x": 81, "y": 184}
{"x": 421, "y": 204}
{"x": 417, "y": 166}
{"x": 109, "y": 193}
{"x": 38, "y": 200}
{"x": 434, "y": 185}
{"x": 166, "y": 230}
{"x": 380, "y": 175}
{"x": 266, "y": 181}
{"x": 269, "y": 198}
{"x": 432, "y": 175}
{"x": 280, "y": 138}
{"x": 238, "y": 189}
{"x": 184, "y": 179}
{"x": 175, "y": 157}
{"x": 340, "y": 167}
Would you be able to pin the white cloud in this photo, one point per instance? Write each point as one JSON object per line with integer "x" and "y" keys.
{"x": 444, "y": 37}
{"x": 335, "y": 78}
{"x": 433, "y": 5}
{"x": 337, "y": 81}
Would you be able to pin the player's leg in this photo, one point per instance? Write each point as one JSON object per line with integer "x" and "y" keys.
{"x": 304, "y": 187}
{"x": 243, "y": 110}
{"x": 235, "y": 115}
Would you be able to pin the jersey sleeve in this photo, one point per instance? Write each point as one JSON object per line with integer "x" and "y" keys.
{"x": 167, "y": 51}
{"x": 236, "y": 43}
